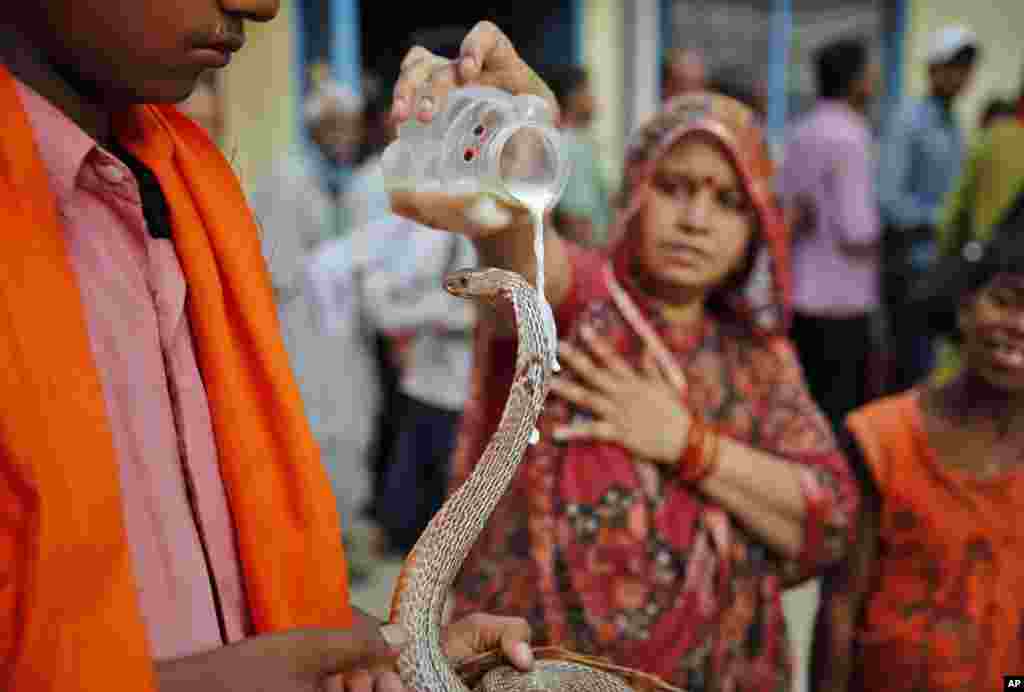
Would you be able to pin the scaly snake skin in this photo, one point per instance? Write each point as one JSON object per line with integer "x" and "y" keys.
{"x": 430, "y": 569}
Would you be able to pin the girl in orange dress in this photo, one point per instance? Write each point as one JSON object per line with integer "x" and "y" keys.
{"x": 931, "y": 595}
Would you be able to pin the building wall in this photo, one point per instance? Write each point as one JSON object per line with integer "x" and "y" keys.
{"x": 603, "y": 48}
{"x": 259, "y": 93}
{"x": 997, "y": 23}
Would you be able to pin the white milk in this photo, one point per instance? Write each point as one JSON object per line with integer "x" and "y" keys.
{"x": 536, "y": 199}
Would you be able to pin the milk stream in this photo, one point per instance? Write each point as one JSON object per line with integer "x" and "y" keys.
{"x": 536, "y": 199}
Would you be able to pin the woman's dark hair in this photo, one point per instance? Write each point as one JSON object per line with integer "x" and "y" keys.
{"x": 997, "y": 107}
{"x": 838, "y": 65}
{"x": 959, "y": 278}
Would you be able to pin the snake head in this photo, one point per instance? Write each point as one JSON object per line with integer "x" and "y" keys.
{"x": 479, "y": 284}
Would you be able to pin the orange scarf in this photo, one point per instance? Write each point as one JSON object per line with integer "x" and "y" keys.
{"x": 69, "y": 617}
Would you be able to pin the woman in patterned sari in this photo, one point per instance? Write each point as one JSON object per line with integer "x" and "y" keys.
{"x": 684, "y": 476}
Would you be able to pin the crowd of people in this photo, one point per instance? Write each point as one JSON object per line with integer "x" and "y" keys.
{"x": 779, "y": 363}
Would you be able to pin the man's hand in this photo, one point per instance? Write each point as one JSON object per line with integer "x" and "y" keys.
{"x": 480, "y": 633}
{"x": 487, "y": 57}
{"x": 360, "y": 659}
{"x": 502, "y": 232}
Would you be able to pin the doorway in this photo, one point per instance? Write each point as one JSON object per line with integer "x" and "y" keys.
{"x": 543, "y": 32}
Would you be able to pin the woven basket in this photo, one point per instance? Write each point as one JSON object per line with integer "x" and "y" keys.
{"x": 472, "y": 670}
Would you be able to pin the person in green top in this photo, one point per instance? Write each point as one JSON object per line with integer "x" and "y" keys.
{"x": 992, "y": 177}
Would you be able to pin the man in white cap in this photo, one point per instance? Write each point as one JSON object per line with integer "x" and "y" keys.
{"x": 301, "y": 204}
{"x": 920, "y": 160}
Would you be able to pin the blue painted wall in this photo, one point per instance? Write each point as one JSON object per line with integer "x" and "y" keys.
{"x": 893, "y": 51}
{"x": 346, "y": 63}
{"x": 779, "y": 40}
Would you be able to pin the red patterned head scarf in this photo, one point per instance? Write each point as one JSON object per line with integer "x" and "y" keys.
{"x": 760, "y": 290}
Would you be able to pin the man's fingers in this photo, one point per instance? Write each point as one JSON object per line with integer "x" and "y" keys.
{"x": 365, "y": 681}
{"x": 388, "y": 682}
{"x": 486, "y": 46}
{"x": 435, "y": 87}
{"x": 416, "y": 54}
{"x": 488, "y": 57}
{"x": 417, "y": 68}
{"x": 358, "y": 681}
{"x": 480, "y": 632}
{"x": 515, "y": 642}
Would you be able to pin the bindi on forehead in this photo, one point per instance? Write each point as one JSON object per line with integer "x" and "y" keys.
{"x": 700, "y": 161}
{"x": 698, "y": 178}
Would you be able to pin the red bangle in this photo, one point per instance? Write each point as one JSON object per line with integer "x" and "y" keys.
{"x": 700, "y": 456}
{"x": 692, "y": 458}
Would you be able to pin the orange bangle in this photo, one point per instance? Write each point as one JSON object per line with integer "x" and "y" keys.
{"x": 692, "y": 459}
{"x": 700, "y": 457}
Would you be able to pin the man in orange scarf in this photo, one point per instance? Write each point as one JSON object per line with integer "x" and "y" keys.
{"x": 165, "y": 522}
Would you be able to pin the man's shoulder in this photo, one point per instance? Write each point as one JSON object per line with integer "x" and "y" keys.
{"x": 823, "y": 128}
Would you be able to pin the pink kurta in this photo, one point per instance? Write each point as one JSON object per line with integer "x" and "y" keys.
{"x": 177, "y": 519}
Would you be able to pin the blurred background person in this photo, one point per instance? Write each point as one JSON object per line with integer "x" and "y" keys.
{"x": 388, "y": 242}
{"x": 301, "y": 204}
{"x": 990, "y": 187}
{"x": 920, "y": 160}
{"x": 997, "y": 110}
{"x": 367, "y": 198}
{"x": 683, "y": 71}
{"x": 298, "y": 207}
{"x": 434, "y": 377}
{"x": 382, "y": 239}
{"x": 992, "y": 177}
{"x": 827, "y": 181}
{"x": 742, "y": 83}
{"x": 583, "y": 214}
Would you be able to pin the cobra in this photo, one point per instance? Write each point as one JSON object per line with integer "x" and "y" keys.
{"x": 431, "y": 567}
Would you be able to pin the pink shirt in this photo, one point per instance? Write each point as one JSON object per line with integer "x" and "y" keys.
{"x": 828, "y": 162}
{"x": 133, "y": 291}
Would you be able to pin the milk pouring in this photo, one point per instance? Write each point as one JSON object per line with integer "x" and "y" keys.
{"x": 487, "y": 144}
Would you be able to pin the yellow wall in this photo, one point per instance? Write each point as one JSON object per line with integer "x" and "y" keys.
{"x": 259, "y": 96}
{"x": 998, "y": 26}
{"x": 602, "y": 54}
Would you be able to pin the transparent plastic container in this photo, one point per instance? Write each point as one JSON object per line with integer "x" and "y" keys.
{"x": 482, "y": 140}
